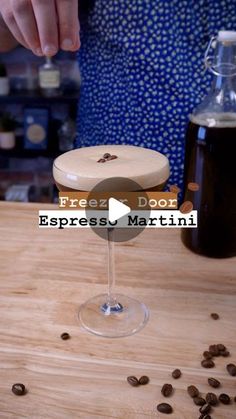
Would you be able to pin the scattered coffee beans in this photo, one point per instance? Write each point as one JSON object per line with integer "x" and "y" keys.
{"x": 207, "y": 355}
{"x": 225, "y": 353}
{"x": 174, "y": 189}
{"x": 18, "y": 389}
{"x": 106, "y": 155}
{"x": 211, "y": 399}
{"x": 186, "y": 207}
{"x": 176, "y": 373}
{"x": 224, "y": 398}
{"x": 193, "y": 391}
{"x": 143, "y": 380}
{"x": 221, "y": 347}
{"x": 205, "y": 409}
{"x": 192, "y": 186}
{"x": 213, "y": 382}
{"x": 167, "y": 390}
{"x": 215, "y": 316}
{"x": 231, "y": 368}
{"x": 164, "y": 408}
{"x": 133, "y": 381}
{"x": 65, "y": 336}
{"x": 101, "y": 161}
{"x": 213, "y": 349}
{"x": 199, "y": 401}
{"x": 207, "y": 363}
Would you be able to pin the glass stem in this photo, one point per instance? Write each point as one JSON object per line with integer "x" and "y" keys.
{"x": 111, "y": 300}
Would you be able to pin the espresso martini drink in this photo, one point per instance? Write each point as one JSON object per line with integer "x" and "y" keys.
{"x": 82, "y": 169}
{"x": 116, "y": 168}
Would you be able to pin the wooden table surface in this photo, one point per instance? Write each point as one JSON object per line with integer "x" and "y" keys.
{"x": 44, "y": 277}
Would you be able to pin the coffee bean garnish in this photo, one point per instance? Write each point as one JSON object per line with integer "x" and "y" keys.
{"x": 164, "y": 408}
{"x": 167, "y": 390}
{"x": 193, "y": 391}
{"x": 207, "y": 363}
{"x": 113, "y": 157}
{"x": 143, "y": 380}
{"x": 193, "y": 186}
{"x": 18, "y": 389}
{"x": 174, "y": 189}
{"x": 231, "y": 368}
{"x": 207, "y": 355}
{"x": 65, "y": 336}
{"x": 106, "y": 155}
{"x": 199, "y": 401}
{"x": 213, "y": 382}
{"x": 133, "y": 381}
{"x": 205, "y": 409}
{"x": 186, "y": 207}
{"x": 176, "y": 373}
{"x": 211, "y": 399}
{"x": 215, "y": 316}
{"x": 224, "y": 398}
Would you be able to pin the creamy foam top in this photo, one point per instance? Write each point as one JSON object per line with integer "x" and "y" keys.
{"x": 79, "y": 169}
{"x": 217, "y": 120}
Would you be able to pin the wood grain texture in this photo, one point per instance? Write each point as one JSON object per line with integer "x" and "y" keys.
{"x": 46, "y": 274}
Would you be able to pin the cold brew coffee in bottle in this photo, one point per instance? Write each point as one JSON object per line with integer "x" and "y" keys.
{"x": 210, "y": 156}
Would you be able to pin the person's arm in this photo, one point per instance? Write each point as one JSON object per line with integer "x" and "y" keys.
{"x": 43, "y": 26}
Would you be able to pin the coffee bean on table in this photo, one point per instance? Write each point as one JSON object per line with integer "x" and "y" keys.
{"x": 101, "y": 161}
{"x": 235, "y": 399}
{"x": 225, "y": 353}
{"x": 133, "y": 381}
{"x": 207, "y": 363}
{"x": 211, "y": 399}
{"x": 213, "y": 382}
{"x": 231, "y": 368}
{"x": 224, "y": 398}
{"x": 65, "y": 336}
{"x": 106, "y": 155}
{"x": 164, "y": 408}
{"x": 186, "y": 207}
{"x": 214, "y": 350}
{"x": 199, "y": 401}
{"x": 143, "y": 380}
{"x": 207, "y": 355}
{"x": 215, "y": 316}
{"x": 221, "y": 347}
{"x": 193, "y": 391}
{"x": 18, "y": 389}
{"x": 205, "y": 409}
{"x": 203, "y": 416}
{"x": 176, "y": 373}
{"x": 167, "y": 390}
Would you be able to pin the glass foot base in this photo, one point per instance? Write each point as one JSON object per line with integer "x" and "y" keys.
{"x": 125, "y": 318}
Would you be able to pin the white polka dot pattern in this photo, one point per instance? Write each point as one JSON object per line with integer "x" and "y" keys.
{"x": 142, "y": 71}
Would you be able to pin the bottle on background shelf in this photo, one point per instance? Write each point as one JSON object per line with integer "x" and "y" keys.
{"x": 49, "y": 78}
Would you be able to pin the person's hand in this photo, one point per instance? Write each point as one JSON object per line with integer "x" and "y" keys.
{"x": 43, "y": 26}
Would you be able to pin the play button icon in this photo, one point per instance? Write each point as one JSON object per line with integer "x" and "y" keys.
{"x": 117, "y": 210}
